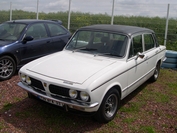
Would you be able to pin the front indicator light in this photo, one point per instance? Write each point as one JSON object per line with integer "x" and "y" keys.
{"x": 84, "y": 96}
{"x": 73, "y": 93}
{"x": 28, "y": 80}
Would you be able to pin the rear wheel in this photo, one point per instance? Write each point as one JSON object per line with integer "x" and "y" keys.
{"x": 108, "y": 107}
{"x": 7, "y": 67}
{"x": 156, "y": 73}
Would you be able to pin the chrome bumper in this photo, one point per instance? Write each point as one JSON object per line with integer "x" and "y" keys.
{"x": 87, "y": 107}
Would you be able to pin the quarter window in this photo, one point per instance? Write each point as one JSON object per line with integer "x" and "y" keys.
{"x": 56, "y": 30}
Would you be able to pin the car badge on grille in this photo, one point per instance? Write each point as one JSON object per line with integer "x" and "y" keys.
{"x": 45, "y": 84}
{"x": 67, "y": 82}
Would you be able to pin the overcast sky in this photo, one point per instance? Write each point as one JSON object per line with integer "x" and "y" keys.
{"x": 122, "y": 7}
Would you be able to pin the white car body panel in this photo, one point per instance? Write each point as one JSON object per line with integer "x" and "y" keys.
{"x": 94, "y": 74}
{"x": 84, "y": 66}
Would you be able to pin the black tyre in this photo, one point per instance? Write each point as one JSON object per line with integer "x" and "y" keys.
{"x": 108, "y": 107}
{"x": 156, "y": 73}
{"x": 7, "y": 67}
{"x": 31, "y": 96}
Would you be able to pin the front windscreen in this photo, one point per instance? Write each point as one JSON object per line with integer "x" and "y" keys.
{"x": 99, "y": 43}
{"x": 11, "y": 31}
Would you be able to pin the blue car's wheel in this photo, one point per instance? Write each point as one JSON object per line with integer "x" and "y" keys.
{"x": 7, "y": 67}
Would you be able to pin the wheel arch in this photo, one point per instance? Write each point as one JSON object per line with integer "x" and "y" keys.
{"x": 159, "y": 62}
{"x": 12, "y": 56}
{"x": 118, "y": 88}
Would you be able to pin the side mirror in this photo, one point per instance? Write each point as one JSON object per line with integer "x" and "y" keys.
{"x": 139, "y": 55}
{"x": 27, "y": 38}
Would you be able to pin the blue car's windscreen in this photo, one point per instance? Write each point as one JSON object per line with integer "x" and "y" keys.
{"x": 11, "y": 31}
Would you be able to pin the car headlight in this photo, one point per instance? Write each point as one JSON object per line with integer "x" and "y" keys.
{"x": 73, "y": 93}
{"x": 84, "y": 96}
{"x": 23, "y": 77}
{"x": 28, "y": 80}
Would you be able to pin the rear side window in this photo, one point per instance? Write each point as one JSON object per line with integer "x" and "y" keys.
{"x": 56, "y": 30}
{"x": 37, "y": 31}
{"x": 148, "y": 41}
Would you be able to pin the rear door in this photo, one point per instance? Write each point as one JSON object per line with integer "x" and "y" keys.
{"x": 150, "y": 52}
{"x": 59, "y": 37}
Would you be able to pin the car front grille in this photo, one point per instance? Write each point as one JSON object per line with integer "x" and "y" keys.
{"x": 54, "y": 90}
{"x": 59, "y": 90}
{"x": 37, "y": 84}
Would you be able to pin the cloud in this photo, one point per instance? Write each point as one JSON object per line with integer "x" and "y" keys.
{"x": 122, "y": 7}
{"x": 55, "y": 6}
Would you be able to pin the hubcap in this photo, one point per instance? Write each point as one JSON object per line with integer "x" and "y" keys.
{"x": 6, "y": 68}
{"x": 111, "y": 105}
{"x": 156, "y": 73}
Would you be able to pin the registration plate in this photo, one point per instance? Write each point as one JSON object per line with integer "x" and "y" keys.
{"x": 51, "y": 101}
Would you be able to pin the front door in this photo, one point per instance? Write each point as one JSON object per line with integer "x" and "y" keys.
{"x": 137, "y": 64}
{"x": 37, "y": 47}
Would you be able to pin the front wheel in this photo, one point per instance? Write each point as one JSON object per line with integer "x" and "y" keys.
{"x": 7, "y": 67}
{"x": 108, "y": 107}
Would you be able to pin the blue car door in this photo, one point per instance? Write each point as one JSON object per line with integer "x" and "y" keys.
{"x": 59, "y": 37}
{"x": 38, "y": 47}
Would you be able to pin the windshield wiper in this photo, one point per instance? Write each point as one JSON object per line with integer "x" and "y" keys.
{"x": 99, "y": 54}
{"x": 85, "y": 49}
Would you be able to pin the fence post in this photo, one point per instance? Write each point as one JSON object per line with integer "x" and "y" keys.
{"x": 10, "y": 11}
{"x": 37, "y": 14}
{"x": 112, "y": 18}
{"x": 69, "y": 14}
{"x": 166, "y": 29}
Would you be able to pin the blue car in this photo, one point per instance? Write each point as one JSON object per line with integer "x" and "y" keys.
{"x": 22, "y": 41}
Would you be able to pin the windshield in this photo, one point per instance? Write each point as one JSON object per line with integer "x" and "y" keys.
{"x": 11, "y": 31}
{"x": 98, "y": 43}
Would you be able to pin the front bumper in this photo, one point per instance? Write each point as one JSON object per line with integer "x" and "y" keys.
{"x": 86, "y": 107}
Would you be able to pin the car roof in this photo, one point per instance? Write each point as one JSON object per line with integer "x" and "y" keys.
{"x": 124, "y": 29}
{"x": 29, "y": 21}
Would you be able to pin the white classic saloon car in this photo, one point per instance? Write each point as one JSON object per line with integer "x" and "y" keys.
{"x": 100, "y": 65}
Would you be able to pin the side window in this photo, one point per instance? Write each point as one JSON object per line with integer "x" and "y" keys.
{"x": 148, "y": 41}
{"x": 136, "y": 46}
{"x": 56, "y": 30}
{"x": 38, "y": 31}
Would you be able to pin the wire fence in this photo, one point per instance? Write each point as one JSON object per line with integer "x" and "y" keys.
{"x": 75, "y": 14}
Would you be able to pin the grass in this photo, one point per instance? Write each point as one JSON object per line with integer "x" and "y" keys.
{"x": 147, "y": 129}
{"x": 7, "y": 106}
{"x": 1, "y": 126}
{"x": 151, "y": 108}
